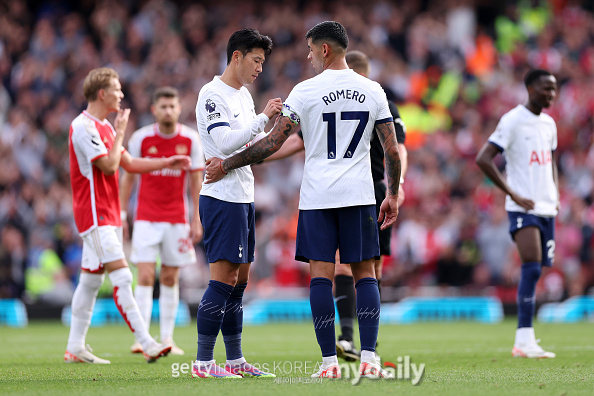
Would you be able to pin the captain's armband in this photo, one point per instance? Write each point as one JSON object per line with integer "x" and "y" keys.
{"x": 290, "y": 114}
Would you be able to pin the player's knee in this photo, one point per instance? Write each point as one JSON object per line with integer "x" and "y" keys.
{"x": 121, "y": 277}
{"x": 532, "y": 270}
{"x": 146, "y": 275}
{"x": 168, "y": 278}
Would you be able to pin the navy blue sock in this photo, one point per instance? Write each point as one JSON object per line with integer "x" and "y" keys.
{"x": 345, "y": 304}
{"x": 210, "y": 317}
{"x": 233, "y": 323}
{"x": 368, "y": 312}
{"x": 526, "y": 291}
{"x": 322, "y": 311}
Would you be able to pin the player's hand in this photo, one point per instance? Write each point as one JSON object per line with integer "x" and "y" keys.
{"x": 388, "y": 211}
{"x": 214, "y": 170}
{"x": 196, "y": 230}
{"x": 401, "y": 195}
{"x": 121, "y": 121}
{"x": 525, "y": 203}
{"x": 179, "y": 162}
{"x": 273, "y": 107}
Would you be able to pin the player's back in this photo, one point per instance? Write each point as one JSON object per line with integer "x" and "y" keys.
{"x": 338, "y": 111}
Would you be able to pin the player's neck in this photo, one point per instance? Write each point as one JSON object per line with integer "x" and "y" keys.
{"x": 167, "y": 129}
{"x": 97, "y": 110}
{"x": 229, "y": 77}
{"x": 536, "y": 110}
{"x": 336, "y": 63}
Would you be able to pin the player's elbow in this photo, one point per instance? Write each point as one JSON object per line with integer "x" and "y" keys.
{"x": 227, "y": 150}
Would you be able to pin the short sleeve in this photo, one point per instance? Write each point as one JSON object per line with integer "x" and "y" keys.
{"x": 213, "y": 111}
{"x": 383, "y": 115}
{"x": 88, "y": 142}
{"x": 502, "y": 136}
{"x": 554, "y": 138}
{"x": 293, "y": 106}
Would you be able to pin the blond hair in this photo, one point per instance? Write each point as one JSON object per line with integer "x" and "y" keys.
{"x": 96, "y": 80}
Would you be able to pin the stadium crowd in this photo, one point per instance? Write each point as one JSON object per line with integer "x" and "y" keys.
{"x": 452, "y": 67}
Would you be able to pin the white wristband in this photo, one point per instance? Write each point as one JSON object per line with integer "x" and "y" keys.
{"x": 401, "y": 180}
{"x": 124, "y": 215}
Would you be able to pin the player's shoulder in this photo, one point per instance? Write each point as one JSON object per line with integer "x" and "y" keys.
{"x": 548, "y": 119}
{"x": 188, "y": 132}
{"x": 143, "y": 133}
{"x": 83, "y": 123}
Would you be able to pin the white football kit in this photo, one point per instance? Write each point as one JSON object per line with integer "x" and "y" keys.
{"x": 337, "y": 125}
{"x": 227, "y": 123}
{"x": 527, "y": 141}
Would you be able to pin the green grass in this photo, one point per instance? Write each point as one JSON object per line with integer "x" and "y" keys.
{"x": 460, "y": 359}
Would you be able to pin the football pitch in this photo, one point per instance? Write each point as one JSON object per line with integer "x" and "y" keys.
{"x": 461, "y": 358}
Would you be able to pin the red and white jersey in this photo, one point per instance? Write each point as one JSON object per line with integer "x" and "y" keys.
{"x": 95, "y": 197}
{"x": 527, "y": 141}
{"x": 162, "y": 193}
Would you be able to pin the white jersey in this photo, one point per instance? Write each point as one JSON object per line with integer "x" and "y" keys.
{"x": 527, "y": 141}
{"x": 227, "y": 123}
{"x": 337, "y": 111}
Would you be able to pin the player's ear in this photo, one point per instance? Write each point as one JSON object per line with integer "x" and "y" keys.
{"x": 236, "y": 56}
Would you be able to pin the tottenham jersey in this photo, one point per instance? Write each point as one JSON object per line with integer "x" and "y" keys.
{"x": 337, "y": 111}
{"x": 527, "y": 141}
{"x": 222, "y": 106}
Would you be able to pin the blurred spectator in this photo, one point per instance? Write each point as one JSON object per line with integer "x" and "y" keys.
{"x": 453, "y": 67}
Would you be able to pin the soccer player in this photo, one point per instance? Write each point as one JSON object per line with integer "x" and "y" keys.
{"x": 96, "y": 154}
{"x": 161, "y": 222}
{"x": 528, "y": 138}
{"x": 337, "y": 111}
{"x": 227, "y": 122}
{"x": 343, "y": 279}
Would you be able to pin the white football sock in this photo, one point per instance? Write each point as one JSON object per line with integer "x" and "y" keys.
{"x": 329, "y": 360}
{"x": 121, "y": 279}
{"x": 367, "y": 356}
{"x": 83, "y": 302}
{"x": 144, "y": 299}
{"x": 168, "y": 302}
{"x": 525, "y": 336}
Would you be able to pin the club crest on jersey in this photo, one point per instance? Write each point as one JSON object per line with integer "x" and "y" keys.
{"x": 210, "y": 106}
{"x": 152, "y": 150}
{"x": 105, "y": 140}
{"x": 181, "y": 149}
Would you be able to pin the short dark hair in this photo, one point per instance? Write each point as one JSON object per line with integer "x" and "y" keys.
{"x": 245, "y": 40}
{"x": 165, "y": 92}
{"x": 534, "y": 75}
{"x": 331, "y": 31}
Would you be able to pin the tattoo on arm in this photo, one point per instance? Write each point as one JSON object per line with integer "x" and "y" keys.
{"x": 387, "y": 136}
{"x": 263, "y": 148}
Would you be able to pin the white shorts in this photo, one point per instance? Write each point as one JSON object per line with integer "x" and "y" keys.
{"x": 101, "y": 245}
{"x": 171, "y": 241}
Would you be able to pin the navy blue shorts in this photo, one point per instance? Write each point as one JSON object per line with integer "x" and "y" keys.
{"x": 546, "y": 226}
{"x": 229, "y": 230}
{"x": 353, "y": 230}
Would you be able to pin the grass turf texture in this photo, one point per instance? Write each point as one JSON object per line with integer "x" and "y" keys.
{"x": 461, "y": 359}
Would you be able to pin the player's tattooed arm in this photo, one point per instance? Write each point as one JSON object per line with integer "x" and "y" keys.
{"x": 387, "y": 136}
{"x": 263, "y": 148}
{"x": 217, "y": 169}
